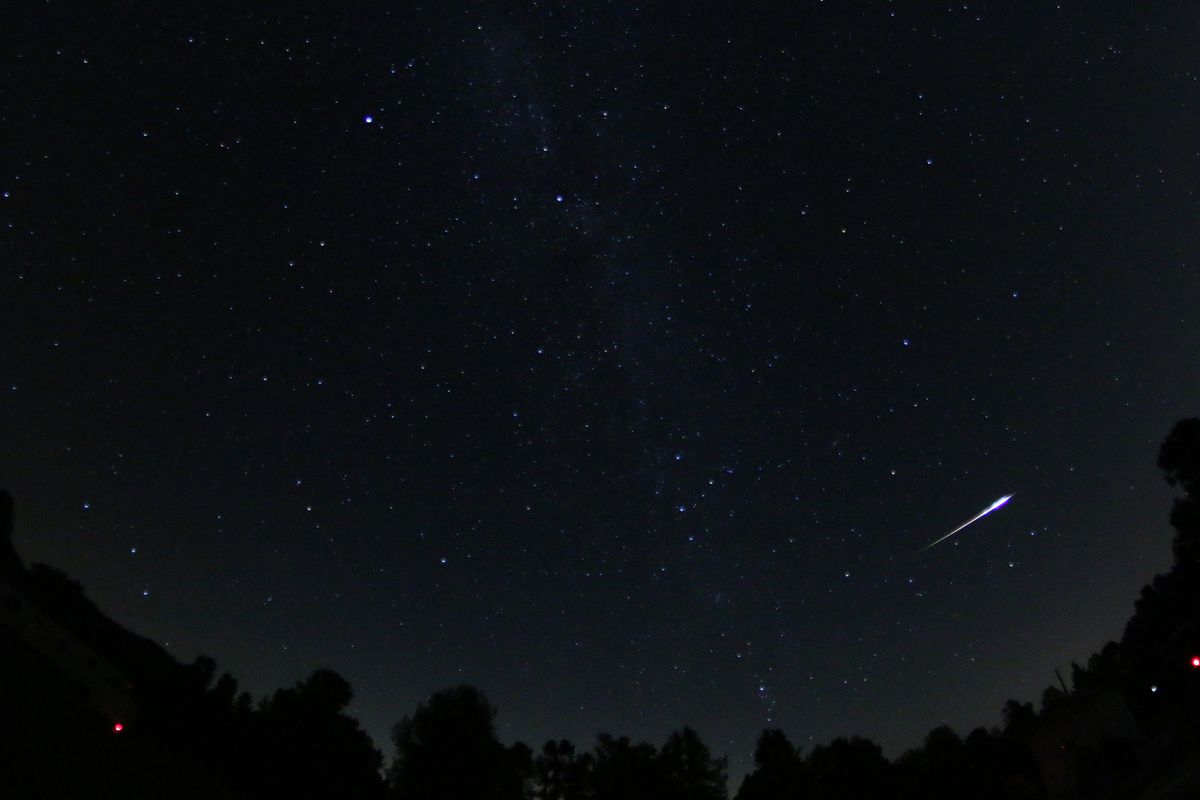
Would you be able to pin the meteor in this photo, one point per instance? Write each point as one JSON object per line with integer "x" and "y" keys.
{"x": 978, "y": 516}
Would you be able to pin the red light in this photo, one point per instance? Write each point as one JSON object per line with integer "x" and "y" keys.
{"x": 1196, "y": 661}
{"x": 118, "y": 727}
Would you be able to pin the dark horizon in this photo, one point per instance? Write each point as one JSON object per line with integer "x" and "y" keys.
{"x": 612, "y": 359}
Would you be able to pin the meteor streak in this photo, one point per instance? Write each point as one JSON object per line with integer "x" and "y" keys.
{"x": 978, "y": 516}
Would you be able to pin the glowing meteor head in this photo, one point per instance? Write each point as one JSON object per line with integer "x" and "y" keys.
{"x": 1000, "y": 502}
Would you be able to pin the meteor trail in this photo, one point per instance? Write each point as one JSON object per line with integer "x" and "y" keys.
{"x": 980, "y": 515}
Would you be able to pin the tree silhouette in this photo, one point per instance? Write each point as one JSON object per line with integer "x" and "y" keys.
{"x": 306, "y": 746}
{"x": 1019, "y": 719}
{"x": 448, "y": 750}
{"x": 224, "y": 694}
{"x": 516, "y": 775}
{"x": 849, "y": 769}
{"x": 10, "y": 562}
{"x": 1053, "y": 700}
{"x": 779, "y": 772}
{"x": 1179, "y": 458}
{"x": 625, "y": 771}
{"x": 562, "y": 774}
{"x": 999, "y": 767}
{"x": 688, "y": 769}
{"x": 945, "y": 763}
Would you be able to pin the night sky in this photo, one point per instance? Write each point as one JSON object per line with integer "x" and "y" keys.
{"x": 614, "y": 358}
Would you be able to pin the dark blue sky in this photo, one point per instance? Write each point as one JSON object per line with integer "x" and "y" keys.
{"x": 615, "y": 359}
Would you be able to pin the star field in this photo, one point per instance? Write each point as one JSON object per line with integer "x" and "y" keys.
{"x": 615, "y": 359}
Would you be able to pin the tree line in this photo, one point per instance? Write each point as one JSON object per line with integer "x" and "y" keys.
{"x": 300, "y": 742}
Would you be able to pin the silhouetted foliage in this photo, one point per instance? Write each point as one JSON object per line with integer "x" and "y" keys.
{"x": 1019, "y": 719}
{"x": 310, "y": 748}
{"x": 1179, "y": 458}
{"x": 1053, "y": 699}
{"x": 985, "y": 766}
{"x": 849, "y": 768}
{"x": 224, "y": 694}
{"x": 10, "y": 562}
{"x": 688, "y": 769}
{"x": 944, "y": 763}
{"x": 7, "y": 512}
{"x": 562, "y": 774}
{"x": 448, "y": 750}
{"x": 779, "y": 772}
{"x": 683, "y": 769}
{"x": 625, "y": 771}
{"x": 516, "y": 778}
